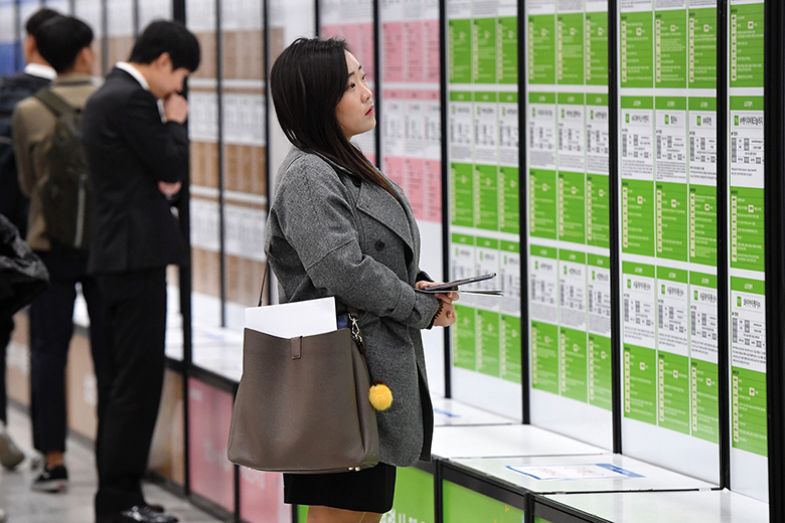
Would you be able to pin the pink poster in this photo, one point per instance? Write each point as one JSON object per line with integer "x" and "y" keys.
{"x": 432, "y": 74}
{"x": 353, "y": 22}
{"x": 359, "y": 40}
{"x": 432, "y": 171}
{"x": 393, "y": 57}
{"x": 411, "y": 112}
{"x": 415, "y": 51}
{"x": 261, "y": 497}
{"x": 210, "y": 414}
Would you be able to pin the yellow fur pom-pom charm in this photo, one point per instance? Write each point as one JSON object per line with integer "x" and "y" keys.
{"x": 380, "y": 396}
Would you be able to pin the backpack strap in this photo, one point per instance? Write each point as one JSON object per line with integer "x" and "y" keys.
{"x": 54, "y": 102}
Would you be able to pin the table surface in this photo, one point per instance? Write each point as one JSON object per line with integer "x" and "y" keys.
{"x": 490, "y": 441}
{"x": 669, "y": 507}
{"x": 570, "y": 473}
{"x": 448, "y": 412}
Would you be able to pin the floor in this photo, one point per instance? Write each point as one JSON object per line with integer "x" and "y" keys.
{"x": 76, "y": 505}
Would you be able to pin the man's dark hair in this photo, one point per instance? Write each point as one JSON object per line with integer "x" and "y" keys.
{"x": 61, "y": 39}
{"x": 38, "y": 19}
{"x": 164, "y": 36}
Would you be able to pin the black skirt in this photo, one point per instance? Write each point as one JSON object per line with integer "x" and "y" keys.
{"x": 369, "y": 490}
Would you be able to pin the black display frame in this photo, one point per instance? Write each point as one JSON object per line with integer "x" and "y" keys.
{"x": 774, "y": 195}
{"x": 540, "y": 506}
{"x": 723, "y": 272}
{"x": 448, "y": 471}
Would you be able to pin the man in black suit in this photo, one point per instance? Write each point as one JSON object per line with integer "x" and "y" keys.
{"x": 137, "y": 158}
{"x": 13, "y": 204}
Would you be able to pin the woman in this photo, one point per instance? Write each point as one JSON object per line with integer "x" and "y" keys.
{"x": 338, "y": 227}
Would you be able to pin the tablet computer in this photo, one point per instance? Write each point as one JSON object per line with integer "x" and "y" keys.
{"x": 454, "y": 285}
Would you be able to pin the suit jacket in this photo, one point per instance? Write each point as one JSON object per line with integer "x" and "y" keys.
{"x": 129, "y": 150}
{"x": 331, "y": 234}
{"x": 13, "y": 89}
{"x": 33, "y": 126}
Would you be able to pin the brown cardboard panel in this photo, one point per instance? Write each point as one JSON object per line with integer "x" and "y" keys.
{"x": 166, "y": 453}
{"x": 199, "y": 163}
{"x": 244, "y": 280}
{"x": 257, "y": 271}
{"x": 99, "y": 53}
{"x": 196, "y": 163}
{"x": 232, "y": 154}
{"x": 257, "y": 174}
{"x": 119, "y": 48}
{"x": 245, "y": 169}
{"x": 243, "y": 55}
{"x": 211, "y": 171}
{"x": 233, "y": 271}
{"x": 276, "y": 42}
{"x": 230, "y": 51}
{"x": 206, "y": 272}
{"x": 81, "y": 388}
{"x": 201, "y": 276}
{"x": 207, "y": 67}
{"x": 253, "y": 281}
{"x": 252, "y": 54}
{"x": 204, "y": 164}
{"x": 197, "y": 264}
{"x": 17, "y": 378}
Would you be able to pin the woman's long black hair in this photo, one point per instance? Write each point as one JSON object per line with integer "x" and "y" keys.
{"x": 307, "y": 81}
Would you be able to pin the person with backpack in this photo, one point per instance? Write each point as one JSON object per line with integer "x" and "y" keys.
{"x": 53, "y": 174}
{"x": 13, "y": 205}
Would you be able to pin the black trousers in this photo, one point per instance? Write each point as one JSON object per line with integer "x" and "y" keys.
{"x": 134, "y": 371}
{"x": 6, "y": 328}
{"x": 51, "y": 329}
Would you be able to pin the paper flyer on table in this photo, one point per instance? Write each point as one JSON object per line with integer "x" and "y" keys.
{"x": 573, "y": 472}
{"x": 289, "y": 320}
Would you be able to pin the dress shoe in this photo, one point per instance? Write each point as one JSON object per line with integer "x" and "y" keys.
{"x": 144, "y": 514}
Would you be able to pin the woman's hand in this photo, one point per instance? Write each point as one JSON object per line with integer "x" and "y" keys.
{"x": 446, "y": 315}
{"x": 447, "y": 298}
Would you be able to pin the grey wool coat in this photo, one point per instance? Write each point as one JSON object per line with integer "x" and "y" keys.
{"x": 331, "y": 234}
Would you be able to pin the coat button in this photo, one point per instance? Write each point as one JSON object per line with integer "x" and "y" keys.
{"x": 379, "y": 245}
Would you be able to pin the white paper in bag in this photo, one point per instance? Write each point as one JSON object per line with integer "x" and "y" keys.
{"x": 289, "y": 320}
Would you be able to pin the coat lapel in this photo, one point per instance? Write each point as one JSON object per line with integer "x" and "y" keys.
{"x": 384, "y": 208}
{"x": 413, "y": 228}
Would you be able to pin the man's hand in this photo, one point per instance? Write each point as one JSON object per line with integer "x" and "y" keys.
{"x": 169, "y": 189}
{"x": 447, "y": 297}
{"x": 175, "y": 108}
